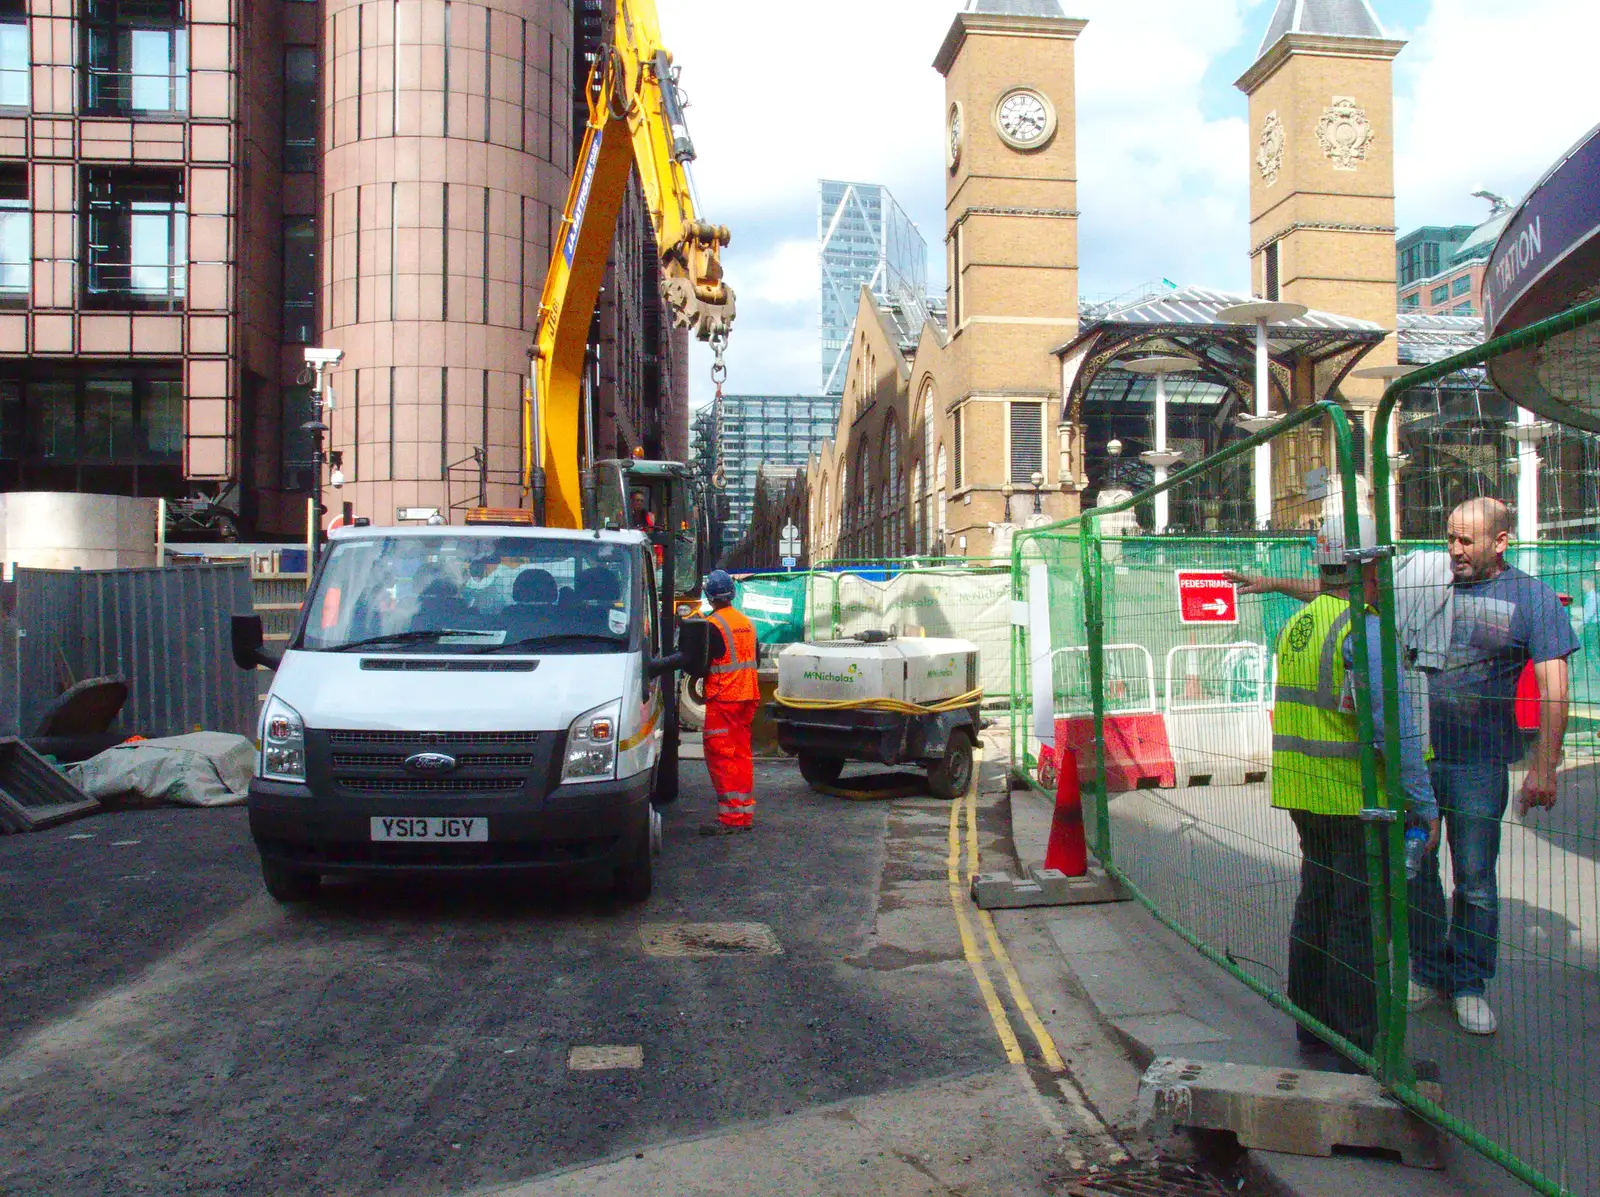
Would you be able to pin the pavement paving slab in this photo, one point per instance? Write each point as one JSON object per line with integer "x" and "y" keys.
{"x": 1162, "y": 998}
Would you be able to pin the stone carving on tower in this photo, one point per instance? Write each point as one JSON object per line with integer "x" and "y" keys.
{"x": 1345, "y": 133}
{"x": 1269, "y": 154}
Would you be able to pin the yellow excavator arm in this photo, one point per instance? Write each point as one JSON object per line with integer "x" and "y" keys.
{"x": 635, "y": 122}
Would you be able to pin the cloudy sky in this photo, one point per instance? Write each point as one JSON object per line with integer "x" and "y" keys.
{"x": 1488, "y": 93}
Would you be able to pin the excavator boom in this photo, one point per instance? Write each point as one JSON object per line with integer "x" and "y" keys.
{"x": 636, "y": 122}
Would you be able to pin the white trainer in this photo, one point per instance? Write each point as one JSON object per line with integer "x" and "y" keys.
{"x": 1420, "y": 997}
{"x": 1474, "y": 1015}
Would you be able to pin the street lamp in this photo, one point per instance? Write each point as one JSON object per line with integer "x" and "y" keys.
{"x": 1008, "y": 490}
{"x": 1160, "y": 365}
{"x": 1387, "y": 374}
{"x": 1038, "y": 492}
{"x": 319, "y": 361}
{"x": 1262, "y": 313}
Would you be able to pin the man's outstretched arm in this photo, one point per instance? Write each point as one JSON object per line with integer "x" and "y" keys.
{"x": 1301, "y": 589}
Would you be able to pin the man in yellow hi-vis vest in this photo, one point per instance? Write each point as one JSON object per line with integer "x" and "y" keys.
{"x": 1316, "y": 777}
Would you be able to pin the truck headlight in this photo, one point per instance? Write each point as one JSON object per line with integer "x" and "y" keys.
{"x": 592, "y": 745}
{"x": 283, "y": 742}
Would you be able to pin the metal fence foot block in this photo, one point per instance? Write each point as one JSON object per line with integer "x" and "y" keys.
{"x": 1290, "y": 1110}
{"x": 1044, "y": 887}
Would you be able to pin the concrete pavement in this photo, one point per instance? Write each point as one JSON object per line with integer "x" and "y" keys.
{"x": 1160, "y": 997}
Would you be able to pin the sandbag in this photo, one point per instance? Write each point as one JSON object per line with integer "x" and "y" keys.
{"x": 202, "y": 769}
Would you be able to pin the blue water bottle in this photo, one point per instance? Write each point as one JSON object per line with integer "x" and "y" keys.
{"x": 1416, "y": 848}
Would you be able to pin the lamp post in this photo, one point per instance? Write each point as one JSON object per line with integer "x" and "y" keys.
{"x": 1008, "y": 490}
{"x": 319, "y": 362}
{"x": 1528, "y": 432}
{"x": 1387, "y": 374}
{"x": 1037, "y": 479}
{"x": 1262, "y": 313}
{"x": 1159, "y": 366}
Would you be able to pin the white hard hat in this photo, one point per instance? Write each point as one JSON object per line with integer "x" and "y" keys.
{"x": 1332, "y": 544}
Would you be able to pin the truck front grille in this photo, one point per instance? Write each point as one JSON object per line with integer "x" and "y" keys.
{"x": 431, "y": 785}
{"x": 374, "y": 762}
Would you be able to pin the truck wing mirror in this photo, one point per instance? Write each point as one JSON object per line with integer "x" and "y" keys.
{"x": 249, "y": 644}
{"x": 696, "y": 648}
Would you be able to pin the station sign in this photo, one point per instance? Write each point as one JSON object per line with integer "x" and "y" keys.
{"x": 1206, "y": 596}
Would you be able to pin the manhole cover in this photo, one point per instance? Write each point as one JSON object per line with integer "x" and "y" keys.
{"x": 709, "y": 939}
{"x": 1147, "y": 1180}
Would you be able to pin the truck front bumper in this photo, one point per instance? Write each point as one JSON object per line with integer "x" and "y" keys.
{"x": 573, "y": 827}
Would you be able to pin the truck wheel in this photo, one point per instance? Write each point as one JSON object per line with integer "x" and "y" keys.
{"x": 820, "y": 770}
{"x": 951, "y": 777}
{"x": 691, "y": 707}
{"x": 289, "y": 885}
{"x": 632, "y": 881}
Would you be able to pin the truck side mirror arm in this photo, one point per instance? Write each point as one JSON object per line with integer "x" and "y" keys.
{"x": 656, "y": 667}
{"x": 248, "y": 643}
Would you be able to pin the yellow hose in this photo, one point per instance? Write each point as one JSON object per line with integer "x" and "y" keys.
{"x": 892, "y": 705}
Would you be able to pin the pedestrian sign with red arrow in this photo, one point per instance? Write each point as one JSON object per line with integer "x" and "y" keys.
{"x": 1206, "y": 596}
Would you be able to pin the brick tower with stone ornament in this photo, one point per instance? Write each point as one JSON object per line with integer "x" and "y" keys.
{"x": 1322, "y": 168}
{"x": 1011, "y": 241}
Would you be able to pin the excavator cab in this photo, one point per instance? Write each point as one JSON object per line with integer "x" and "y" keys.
{"x": 663, "y": 500}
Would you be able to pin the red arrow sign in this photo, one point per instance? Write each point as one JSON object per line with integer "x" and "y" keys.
{"x": 1206, "y": 597}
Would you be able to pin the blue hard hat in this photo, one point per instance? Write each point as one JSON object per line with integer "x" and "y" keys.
{"x": 719, "y": 584}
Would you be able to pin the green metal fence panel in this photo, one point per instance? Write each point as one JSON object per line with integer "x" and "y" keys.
{"x": 1323, "y": 917}
{"x": 1168, "y": 704}
{"x": 1506, "y": 913}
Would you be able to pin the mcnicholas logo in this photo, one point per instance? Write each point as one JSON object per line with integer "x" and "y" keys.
{"x": 949, "y": 672}
{"x": 816, "y": 675}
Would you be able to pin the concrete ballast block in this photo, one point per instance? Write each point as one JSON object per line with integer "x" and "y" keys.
{"x": 1289, "y": 1110}
{"x": 1043, "y": 887}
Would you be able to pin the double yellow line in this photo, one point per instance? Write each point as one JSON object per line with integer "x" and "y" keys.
{"x": 969, "y": 942}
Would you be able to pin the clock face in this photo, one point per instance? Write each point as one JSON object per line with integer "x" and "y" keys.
{"x": 952, "y": 149}
{"x": 1025, "y": 118}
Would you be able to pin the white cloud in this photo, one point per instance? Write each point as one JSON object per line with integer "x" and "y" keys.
{"x": 1486, "y": 93}
{"x": 1489, "y": 94}
{"x": 1163, "y": 187}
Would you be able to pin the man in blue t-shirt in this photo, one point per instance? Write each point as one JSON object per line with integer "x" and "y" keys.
{"x": 1501, "y": 619}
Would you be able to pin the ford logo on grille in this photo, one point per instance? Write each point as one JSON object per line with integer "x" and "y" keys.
{"x": 430, "y": 762}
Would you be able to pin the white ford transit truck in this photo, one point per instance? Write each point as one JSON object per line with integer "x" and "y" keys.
{"x": 483, "y": 699}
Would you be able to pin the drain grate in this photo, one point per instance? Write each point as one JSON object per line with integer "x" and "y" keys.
{"x": 709, "y": 939}
{"x": 1139, "y": 1179}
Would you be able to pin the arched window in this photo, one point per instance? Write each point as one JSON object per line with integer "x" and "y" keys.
{"x": 819, "y": 517}
{"x": 928, "y": 428}
{"x": 863, "y": 546}
{"x": 919, "y": 530}
{"x": 894, "y": 516}
{"x": 940, "y": 510}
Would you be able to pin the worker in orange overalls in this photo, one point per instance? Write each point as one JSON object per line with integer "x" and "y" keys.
{"x": 731, "y": 698}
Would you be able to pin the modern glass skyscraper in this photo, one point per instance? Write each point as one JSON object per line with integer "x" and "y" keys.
{"x": 864, "y": 239}
{"x": 756, "y": 430}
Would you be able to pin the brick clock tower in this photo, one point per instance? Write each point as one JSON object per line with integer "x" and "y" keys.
{"x": 1011, "y": 243}
{"x": 1322, "y": 168}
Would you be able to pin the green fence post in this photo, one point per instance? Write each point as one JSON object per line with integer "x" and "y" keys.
{"x": 1021, "y": 670}
{"x": 1382, "y": 831}
{"x": 1094, "y": 627}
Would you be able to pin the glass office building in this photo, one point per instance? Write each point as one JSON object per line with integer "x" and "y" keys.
{"x": 755, "y": 430}
{"x": 864, "y": 239}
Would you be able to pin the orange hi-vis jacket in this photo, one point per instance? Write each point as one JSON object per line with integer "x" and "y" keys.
{"x": 733, "y": 674}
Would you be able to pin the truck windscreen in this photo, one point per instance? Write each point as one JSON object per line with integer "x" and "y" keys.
{"x": 472, "y": 594}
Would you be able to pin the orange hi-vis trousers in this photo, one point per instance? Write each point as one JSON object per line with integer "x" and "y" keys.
{"x": 727, "y": 746}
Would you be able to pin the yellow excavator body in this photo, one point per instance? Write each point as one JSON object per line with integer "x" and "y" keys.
{"x": 635, "y": 123}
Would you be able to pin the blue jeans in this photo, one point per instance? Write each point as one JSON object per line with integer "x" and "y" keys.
{"x": 1455, "y": 951}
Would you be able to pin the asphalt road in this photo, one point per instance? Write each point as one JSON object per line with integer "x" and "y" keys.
{"x": 167, "y": 1028}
